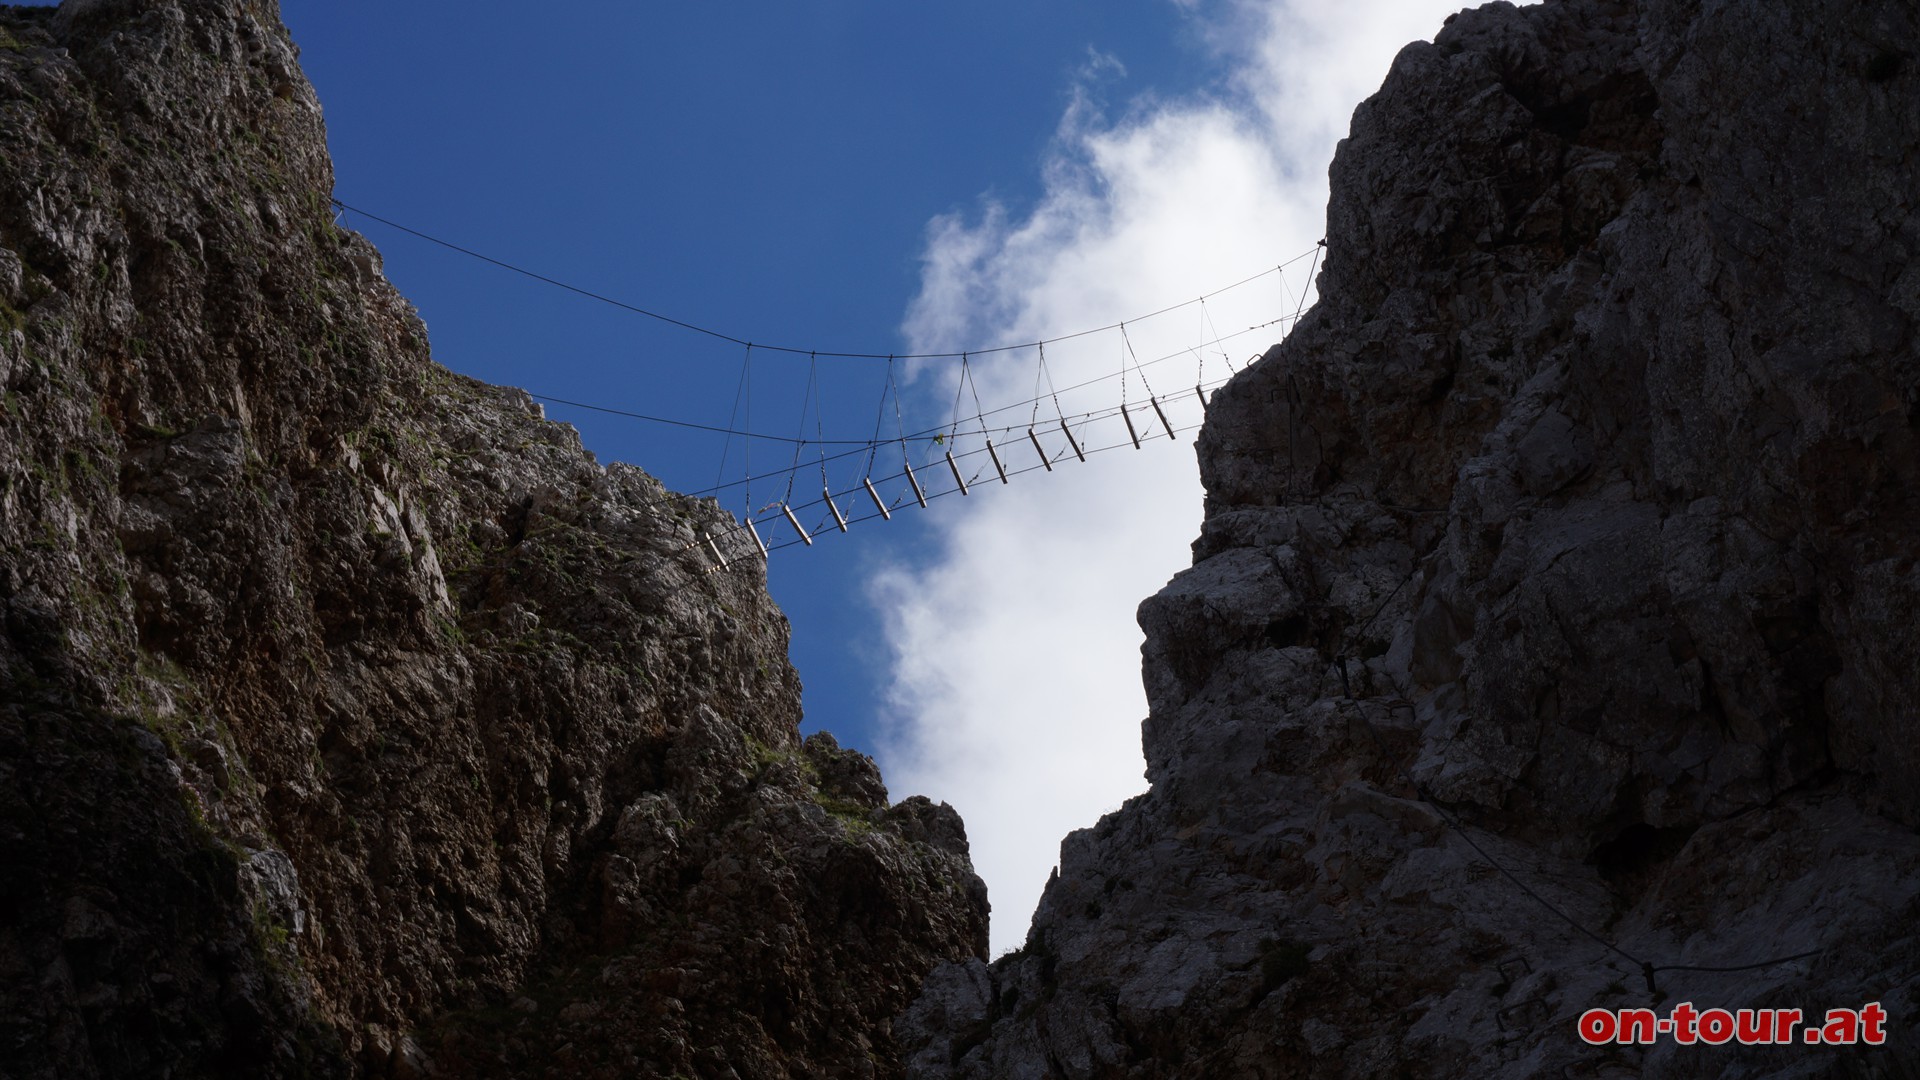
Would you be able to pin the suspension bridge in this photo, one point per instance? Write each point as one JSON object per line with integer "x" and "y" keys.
{"x": 974, "y": 447}
{"x": 963, "y": 454}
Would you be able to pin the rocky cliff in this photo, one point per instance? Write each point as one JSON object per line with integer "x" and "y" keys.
{"x": 1550, "y": 641}
{"x": 353, "y": 720}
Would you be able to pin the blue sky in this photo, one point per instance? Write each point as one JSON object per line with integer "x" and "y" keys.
{"x": 878, "y": 177}
{"x": 768, "y": 169}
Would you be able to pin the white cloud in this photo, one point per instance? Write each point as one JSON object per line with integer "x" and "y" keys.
{"x": 1015, "y": 677}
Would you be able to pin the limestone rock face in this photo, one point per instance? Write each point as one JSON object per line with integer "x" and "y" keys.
{"x": 1554, "y": 611}
{"x": 353, "y": 720}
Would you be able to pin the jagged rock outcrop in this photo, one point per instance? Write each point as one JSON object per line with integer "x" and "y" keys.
{"x": 1580, "y": 512}
{"x": 353, "y": 720}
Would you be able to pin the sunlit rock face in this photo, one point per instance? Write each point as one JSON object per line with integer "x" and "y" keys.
{"x": 1581, "y": 512}
{"x": 353, "y": 720}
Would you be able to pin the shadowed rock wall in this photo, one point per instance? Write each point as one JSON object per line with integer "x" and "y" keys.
{"x": 1581, "y": 511}
{"x": 352, "y": 718}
